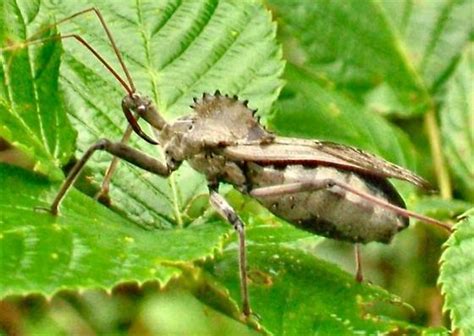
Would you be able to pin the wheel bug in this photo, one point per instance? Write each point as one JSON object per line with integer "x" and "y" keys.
{"x": 326, "y": 188}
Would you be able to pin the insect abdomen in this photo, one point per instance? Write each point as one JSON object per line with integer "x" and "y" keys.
{"x": 333, "y": 212}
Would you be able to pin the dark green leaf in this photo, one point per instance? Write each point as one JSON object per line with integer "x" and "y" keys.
{"x": 457, "y": 122}
{"x": 433, "y": 34}
{"x": 390, "y": 54}
{"x": 352, "y": 44}
{"x": 296, "y": 294}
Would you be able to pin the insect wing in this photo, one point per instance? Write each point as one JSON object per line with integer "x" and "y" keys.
{"x": 285, "y": 151}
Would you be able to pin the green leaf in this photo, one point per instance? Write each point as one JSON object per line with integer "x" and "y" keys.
{"x": 32, "y": 112}
{"x": 456, "y": 276}
{"x": 457, "y": 120}
{"x": 296, "y": 294}
{"x": 174, "y": 50}
{"x": 87, "y": 245}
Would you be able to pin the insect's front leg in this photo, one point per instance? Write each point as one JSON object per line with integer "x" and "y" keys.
{"x": 228, "y": 213}
{"x": 119, "y": 150}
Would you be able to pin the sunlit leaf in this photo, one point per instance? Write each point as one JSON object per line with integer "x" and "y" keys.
{"x": 32, "y": 113}
{"x": 456, "y": 276}
{"x": 87, "y": 245}
{"x": 174, "y": 51}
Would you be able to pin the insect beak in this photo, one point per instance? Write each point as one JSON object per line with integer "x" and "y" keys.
{"x": 135, "y": 126}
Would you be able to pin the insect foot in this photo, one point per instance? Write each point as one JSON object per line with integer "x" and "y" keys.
{"x": 225, "y": 210}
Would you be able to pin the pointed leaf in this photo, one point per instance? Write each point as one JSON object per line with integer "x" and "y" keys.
{"x": 352, "y": 44}
{"x": 87, "y": 245}
{"x": 174, "y": 50}
{"x": 32, "y": 112}
{"x": 433, "y": 33}
{"x": 456, "y": 276}
{"x": 394, "y": 51}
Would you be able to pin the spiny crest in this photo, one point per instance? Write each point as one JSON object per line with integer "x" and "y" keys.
{"x": 227, "y": 117}
{"x": 210, "y": 105}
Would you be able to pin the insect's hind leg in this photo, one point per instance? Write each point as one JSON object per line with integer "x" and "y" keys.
{"x": 330, "y": 183}
{"x": 309, "y": 186}
{"x": 118, "y": 149}
{"x": 228, "y": 213}
{"x": 314, "y": 185}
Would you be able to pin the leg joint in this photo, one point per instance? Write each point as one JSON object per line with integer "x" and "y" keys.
{"x": 234, "y": 219}
{"x": 102, "y": 144}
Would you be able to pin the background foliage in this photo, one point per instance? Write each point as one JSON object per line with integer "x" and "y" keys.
{"x": 392, "y": 77}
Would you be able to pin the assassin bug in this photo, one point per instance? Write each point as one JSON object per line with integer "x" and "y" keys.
{"x": 329, "y": 189}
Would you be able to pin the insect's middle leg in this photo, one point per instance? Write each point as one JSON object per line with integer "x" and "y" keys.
{"x": 228, "y": 213}
{"x": 103, "y": 194}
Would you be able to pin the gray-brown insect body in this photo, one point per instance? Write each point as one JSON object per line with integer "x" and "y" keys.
{"x": 331, "y": 212}
{"x": 224, "y": 141}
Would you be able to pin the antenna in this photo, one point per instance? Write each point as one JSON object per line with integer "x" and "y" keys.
{"x": 129, "y": 87}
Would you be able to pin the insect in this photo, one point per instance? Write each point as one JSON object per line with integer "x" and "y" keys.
{"x": 329, "y": 189}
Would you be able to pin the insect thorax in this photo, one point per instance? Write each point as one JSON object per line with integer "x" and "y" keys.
{"x": 217, "y": 121}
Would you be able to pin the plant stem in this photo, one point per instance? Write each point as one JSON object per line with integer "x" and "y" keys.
{"x": 440, "y": 168}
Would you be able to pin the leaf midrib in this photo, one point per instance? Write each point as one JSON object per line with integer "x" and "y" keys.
{"x": 154, "y": 87}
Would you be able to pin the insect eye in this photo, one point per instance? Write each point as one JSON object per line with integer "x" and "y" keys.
{"x": 141, "y": 108}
